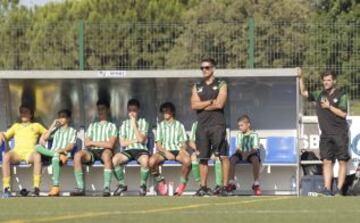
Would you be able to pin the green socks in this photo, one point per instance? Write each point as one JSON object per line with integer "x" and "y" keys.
{"x": 55, "y": 163}
{"x": 79, "y": 177}
{"x": 44, "y": 151}
{"x": 119, "y": 174}
{"x": 184, "y": 180}
{"x": 195, "y": 171}
{"x": 107, "y": 178}
{"x": 218, "y": 173}
{"x": 144, "y": 175}
{"x": 159, "y": 178}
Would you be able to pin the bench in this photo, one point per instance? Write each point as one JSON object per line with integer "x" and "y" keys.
{"x": 279, "y": 151}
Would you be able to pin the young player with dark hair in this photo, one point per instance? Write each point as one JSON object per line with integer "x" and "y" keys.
{"x": 171, "y": 145}
{"x": 99, "y": 142}
{"x": 133, "y": 138}
{"x": 63, "y": 141}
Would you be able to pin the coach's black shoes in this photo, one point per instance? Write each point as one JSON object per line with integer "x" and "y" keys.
{"x": 6, "y": 193}
{"x": 142, "y": 191}
{"x": 217, "y": 190}
{"x": 325, "y": 193}
{"x": 203, "y": 191}
{"x": 106, "y": 192}
{"x": 78, "y": 192}
{"x": 120, "y": 189}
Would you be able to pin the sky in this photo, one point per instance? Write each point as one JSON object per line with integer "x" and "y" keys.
{"x": 31, "y": 3}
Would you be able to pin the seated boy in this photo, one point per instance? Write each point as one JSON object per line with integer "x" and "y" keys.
{"x": 171, "y": 145}
{"x": 133, "y": 138}
{"x": 64, "y": 139}
{"x": 26, "y": 134}
{"x": 247, "y": 148}
{"x": 99, "y": 142}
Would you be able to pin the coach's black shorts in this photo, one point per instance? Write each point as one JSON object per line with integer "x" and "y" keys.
{"x": 96, "y": 155}
{"x": 334, "y": 147}
{"x": 211, "y": 140}
{"x": 134, "y": 154}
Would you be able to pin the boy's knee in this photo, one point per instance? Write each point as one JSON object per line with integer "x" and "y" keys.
{"x": 37, "y": 157}
{"x": 78, "y": 156}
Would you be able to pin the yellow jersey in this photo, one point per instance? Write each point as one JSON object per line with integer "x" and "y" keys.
{"x": 25, "y": 135}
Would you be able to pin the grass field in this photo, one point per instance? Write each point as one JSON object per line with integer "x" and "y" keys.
{"x": 181, "y": 209}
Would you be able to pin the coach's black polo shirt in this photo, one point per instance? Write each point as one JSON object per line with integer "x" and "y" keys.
{"x": 210, "y": 92}
{"x": 330, "y": 123}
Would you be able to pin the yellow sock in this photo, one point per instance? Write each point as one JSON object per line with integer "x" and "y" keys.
{"x": 37, "y": 180}
{"x": 6, "y": 182}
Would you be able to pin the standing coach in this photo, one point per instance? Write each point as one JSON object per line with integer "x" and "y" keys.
{"x": 208, "y": 99}
{"x": 331, "y": 110}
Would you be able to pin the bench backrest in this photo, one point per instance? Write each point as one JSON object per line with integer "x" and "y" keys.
{"x": 278, "y": 149}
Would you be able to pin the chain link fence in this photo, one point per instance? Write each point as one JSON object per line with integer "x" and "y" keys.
{"x": 144, "y": 46}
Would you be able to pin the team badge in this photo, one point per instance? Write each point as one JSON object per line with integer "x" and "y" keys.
{"x": 335, "y": 100}
{"x": 200, "y": 89}
{"x": 215, "y": 88}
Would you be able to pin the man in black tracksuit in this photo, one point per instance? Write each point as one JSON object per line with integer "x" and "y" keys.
{"x": 331, "y": 109}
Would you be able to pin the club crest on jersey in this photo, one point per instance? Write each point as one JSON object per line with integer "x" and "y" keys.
{"x": 215, "y": 88}
{"x": 335, "y": 100}
{"x": 200, "y": 89}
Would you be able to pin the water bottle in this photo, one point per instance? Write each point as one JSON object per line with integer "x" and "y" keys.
{"x": 293, "y": 183}
{"x": 313, "y": 194}
{"x": 171, "y": 188}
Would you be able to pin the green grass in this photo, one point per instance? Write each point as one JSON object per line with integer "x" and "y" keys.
{"x": 181, "y": 209}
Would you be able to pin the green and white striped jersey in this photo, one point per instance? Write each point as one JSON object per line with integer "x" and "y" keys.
{"x": 101, "y": 132}
{"x": 193, "y": 132}
{"x": 127, "y": 132}
{"x": 171, "y": 134}
{"x": 63, "y": 137}
{"x": 246, "y": 142}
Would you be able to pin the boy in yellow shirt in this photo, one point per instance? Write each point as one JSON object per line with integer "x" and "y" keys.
{"x": 26, "y": 134}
